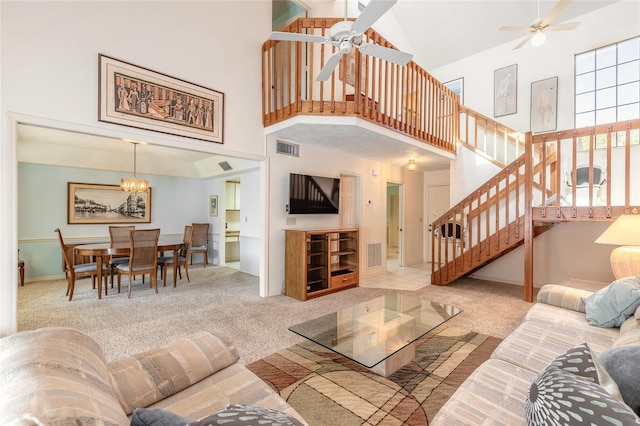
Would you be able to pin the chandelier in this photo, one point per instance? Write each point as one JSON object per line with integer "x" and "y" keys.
{"x": 134, "y": 184}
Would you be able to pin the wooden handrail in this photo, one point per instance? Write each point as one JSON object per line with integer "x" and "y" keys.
{"x": 501, "y": 213}
{"x": 405, "y": 99}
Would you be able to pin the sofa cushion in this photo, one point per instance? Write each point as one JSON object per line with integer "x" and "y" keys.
{"x": 157, "y": 417}
{"x": 548, "y": 332}
{"x": 612, "y": 305}
{"x": 563, "y": 297}
{"x": 232, "y": 385}
{"x": 622, "y": 364}
{"x": 629, "y": 333}
{"x": 151, "y": 376}
{"x": 558, "y": 397}
{"x": 56, "y": 376}
{"x": 494, "y": 394}
{"x": 247, "y": 415}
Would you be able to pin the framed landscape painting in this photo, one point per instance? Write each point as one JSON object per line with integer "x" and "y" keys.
{"x": 134, "y": 96}
{"x": 89, "y": 203}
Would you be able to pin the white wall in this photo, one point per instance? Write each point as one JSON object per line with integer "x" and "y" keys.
{"x": 567, "y": 250}
{"x": 50, "y": 73}
{"x": 555, "y": 57}
{"x": 316, "y": 161}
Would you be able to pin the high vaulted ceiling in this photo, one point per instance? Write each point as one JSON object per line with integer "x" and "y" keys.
{"x": 425, "y": 25}
{"x": 444, "y": 31}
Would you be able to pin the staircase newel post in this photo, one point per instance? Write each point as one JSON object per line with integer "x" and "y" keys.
{"x": 528, "y": 218}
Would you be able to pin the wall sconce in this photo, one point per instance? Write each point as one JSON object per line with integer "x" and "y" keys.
{"x": 412, "y": 165}
{"x": 625, "y": 232}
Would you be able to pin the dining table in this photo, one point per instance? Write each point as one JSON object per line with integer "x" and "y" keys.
{"x": 100, "y": 251}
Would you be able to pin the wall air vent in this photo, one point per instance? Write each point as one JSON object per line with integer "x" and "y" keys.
{"x": 287, "y": 148}
{"x": 225, "y": 166}
{"x": 374, "y": 255}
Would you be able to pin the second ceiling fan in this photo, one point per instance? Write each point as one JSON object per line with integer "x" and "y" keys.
{"x": 540, "y": 26}
{"x": 346, "y": 35}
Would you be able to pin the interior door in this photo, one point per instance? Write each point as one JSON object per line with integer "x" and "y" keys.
{"x": 437, "y": 205}
{"x": 394, "y": 222}
{"x": 347, "y": 202}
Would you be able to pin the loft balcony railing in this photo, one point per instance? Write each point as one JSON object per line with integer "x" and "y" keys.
{"x": 405, "y": 99}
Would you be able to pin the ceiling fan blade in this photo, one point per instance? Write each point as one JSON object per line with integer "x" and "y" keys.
{"x": 374, "y": 10}
{"x": 279, "y": 35}
{"x": 328, "y": 68}
{"x": 562, "y": 5}
{"x": 563, "y": 27}
{"x": 525, "y": 29}
{"x": 391, "y": 55}
{"x": 524, "y": 41}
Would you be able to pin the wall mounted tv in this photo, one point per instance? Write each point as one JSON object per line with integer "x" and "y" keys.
{"x": 313, "y": 194}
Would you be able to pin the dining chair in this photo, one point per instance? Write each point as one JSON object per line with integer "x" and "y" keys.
{"x": 118, "y": 234}
{"x": 200, "y": 241}
{"x": 21, "y": 269}
{"x": 143, "y": 257}
{"x": 183, "y": 255}
{"x": 73, "y": 271}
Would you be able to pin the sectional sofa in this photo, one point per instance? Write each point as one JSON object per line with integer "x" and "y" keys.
{"x": 527, "y": 370}
{"x": 60, "y": 376}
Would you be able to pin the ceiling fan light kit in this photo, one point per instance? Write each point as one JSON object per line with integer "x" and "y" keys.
{"x": 540, "y": 26}
{"x": 538, "y": 38}
{"x": 345, "y": 35}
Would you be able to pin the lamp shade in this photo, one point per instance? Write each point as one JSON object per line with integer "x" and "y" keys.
{"x": 625, "y": 231}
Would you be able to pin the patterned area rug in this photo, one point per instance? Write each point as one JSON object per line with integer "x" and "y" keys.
{"x": 328, "y": 389}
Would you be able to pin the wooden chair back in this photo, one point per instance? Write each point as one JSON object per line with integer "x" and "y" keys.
{"x": 120, "y": 234}
{"x": 67, "y": 252}
{"x": 144, "y": 249}
{"x": 200, "y": 234}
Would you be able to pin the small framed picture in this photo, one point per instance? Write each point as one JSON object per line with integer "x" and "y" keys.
{"x": 544, "y": 105}
{"x": 457, "y": 87}
{"x": 213, "y": 205}
{"x": 505, "y": 91}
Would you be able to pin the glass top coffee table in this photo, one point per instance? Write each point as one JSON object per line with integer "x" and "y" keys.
{"x": 380, "y": 333}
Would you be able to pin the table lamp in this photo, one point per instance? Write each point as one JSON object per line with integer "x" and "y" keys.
{"x": 624, "y": 232}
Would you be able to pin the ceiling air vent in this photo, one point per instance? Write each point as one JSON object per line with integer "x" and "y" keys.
{"x": 225, "y": 166}
{"x": 288, "y": 148}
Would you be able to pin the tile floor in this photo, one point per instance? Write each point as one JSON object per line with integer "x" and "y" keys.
{"x": 400, "y": 278}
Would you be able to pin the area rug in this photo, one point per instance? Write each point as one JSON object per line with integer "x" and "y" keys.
{"x": 328, "y": 389}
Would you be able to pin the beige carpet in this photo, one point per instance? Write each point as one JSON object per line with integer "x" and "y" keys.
{"x": 228, "y": 300}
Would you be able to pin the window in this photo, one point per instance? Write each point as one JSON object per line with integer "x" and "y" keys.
{"x": 607, "y": 85}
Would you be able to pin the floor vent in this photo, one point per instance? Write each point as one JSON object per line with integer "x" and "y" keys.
{"x": 374, "y": 255}
{"x": 287, "y": 148}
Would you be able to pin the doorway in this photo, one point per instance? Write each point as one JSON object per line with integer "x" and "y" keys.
{"x": 437, "y": 205}
{"x": 232, "y": 224}
{"x": 394, "y": 227}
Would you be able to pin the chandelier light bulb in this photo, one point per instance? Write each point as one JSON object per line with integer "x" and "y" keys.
{"x": 134, "y": 184}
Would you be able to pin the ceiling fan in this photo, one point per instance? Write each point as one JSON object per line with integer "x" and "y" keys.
{"x": 346, "y": 34}
{"x": 540, "y": 26}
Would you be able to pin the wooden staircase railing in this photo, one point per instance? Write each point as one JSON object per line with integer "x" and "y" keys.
{"x": 489, "y": 138}
{"x": 534, "y": 192}
{"x": 405, "y": 99}
{"x": 491, "y": 220}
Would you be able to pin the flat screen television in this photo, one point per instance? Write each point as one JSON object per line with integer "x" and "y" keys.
{"x": 313, "y": 194}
